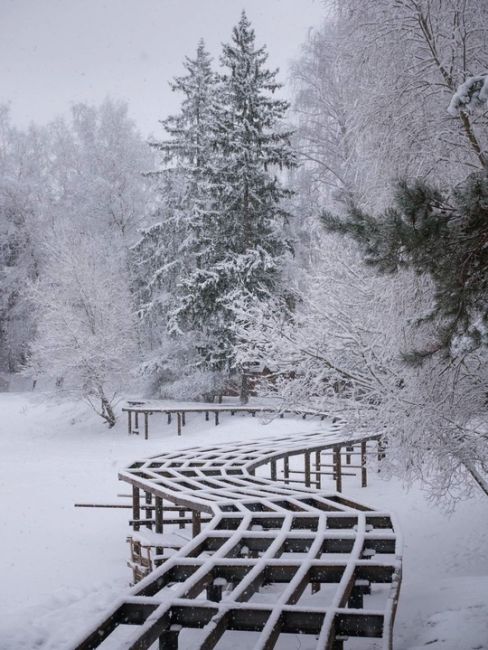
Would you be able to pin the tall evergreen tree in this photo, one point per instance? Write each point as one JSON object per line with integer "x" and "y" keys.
{"x": 171, "y": 254}
{"x": 249, "y": 243}
{"x": 221, "y": 235}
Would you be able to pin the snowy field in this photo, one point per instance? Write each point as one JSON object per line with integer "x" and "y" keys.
{"x": 62, "y": 566}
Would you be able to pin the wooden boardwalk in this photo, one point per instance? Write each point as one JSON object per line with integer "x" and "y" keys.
{"x": 138, "y": 414}
{"x": 276, "y": 555}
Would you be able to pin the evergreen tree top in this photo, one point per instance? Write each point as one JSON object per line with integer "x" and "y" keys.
{"x": 245, "y": 60}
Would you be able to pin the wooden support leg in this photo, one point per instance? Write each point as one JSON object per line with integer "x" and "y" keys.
{"x": 338, "y": 468}
{"x": 318, "y": 476}
{"x": 183, "y": 418}
{"x": 158, "y": 514}
{"x": 169, "y": 418}
{"x": 206, "y": 416}
{"x": 286, "y": 469}
{"x": 348, "y": 455}
{"x": 214, "y": 592}
{"x": 146, "y": 426}
{"x": 196, "y": 523}
{"x": 307, "y": 469}
{"x": 136, "y": 421}
{"x": 216, "y": 418}
{"x": 361, "y": 587}
{"x": 148, "y": 502}
{"x": 364, "y": 469}
{"x": 129, "y": 422}
{"x": 168, "y": 640}
{"x": 273, "y": 470}
{"x": 136, "y": 506}
{"x": 178, "y": 423}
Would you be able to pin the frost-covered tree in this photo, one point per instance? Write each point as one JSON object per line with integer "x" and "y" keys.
{"x": 23, "y": 168}
{"x": 86, "y": 334}
{"x": 96, "y": 175}
{"x": 372, "y": 87}
{"x": 342, "y": 352}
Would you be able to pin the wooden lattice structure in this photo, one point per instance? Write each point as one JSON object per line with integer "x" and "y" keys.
{"x": 276, "y": 555}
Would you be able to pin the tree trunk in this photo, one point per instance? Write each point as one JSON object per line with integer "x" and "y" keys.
{"x": 107, "y": 411}
{"x": 244, "y": 392}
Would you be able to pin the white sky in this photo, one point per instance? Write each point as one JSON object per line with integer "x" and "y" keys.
{"x": 56, "y": 52}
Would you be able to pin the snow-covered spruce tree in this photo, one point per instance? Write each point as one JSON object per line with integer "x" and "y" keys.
{"x": 220, "y": 239}
{"x": 250, "y": 244}
{"x": 173, "y": 256}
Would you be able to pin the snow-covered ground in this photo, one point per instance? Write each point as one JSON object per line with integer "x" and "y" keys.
{"x": 62, "y": 566}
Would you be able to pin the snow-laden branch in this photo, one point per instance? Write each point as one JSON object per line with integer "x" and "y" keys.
{"x": 470, "y": 96}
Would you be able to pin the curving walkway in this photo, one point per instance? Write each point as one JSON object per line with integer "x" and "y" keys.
{"x": 278, "y": 556}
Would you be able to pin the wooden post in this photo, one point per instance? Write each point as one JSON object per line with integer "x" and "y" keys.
{"x": 196, "y": 523}
{"x": 216, "y": 418}
{"x": 206, "y": 416}
{"x": 136, "y": 420}
{"x": 158, "y": 514}
{"x": 169, "y": 417}
{"x": 148, "y": 501}
{"x": 286, "y": 469}
{"x": 361, "y": 587}
{"x": 129, "y": 422}
{"x": 364, "y": 470}
{"x": 146, "y": 425}
{"x": 183, "y": 418}
{"x": 307, "y": 468}
{"x": 168, "y": 640}
{"x": 178, "y": 423}
{"x": 318, "y": 477}
{"x": 338, "y": 468}
{"x": 214, "y": 592}
{"x": 273, "y": 470}
{"x": 348, "y": 455}
{"x": 136, "y": 506}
